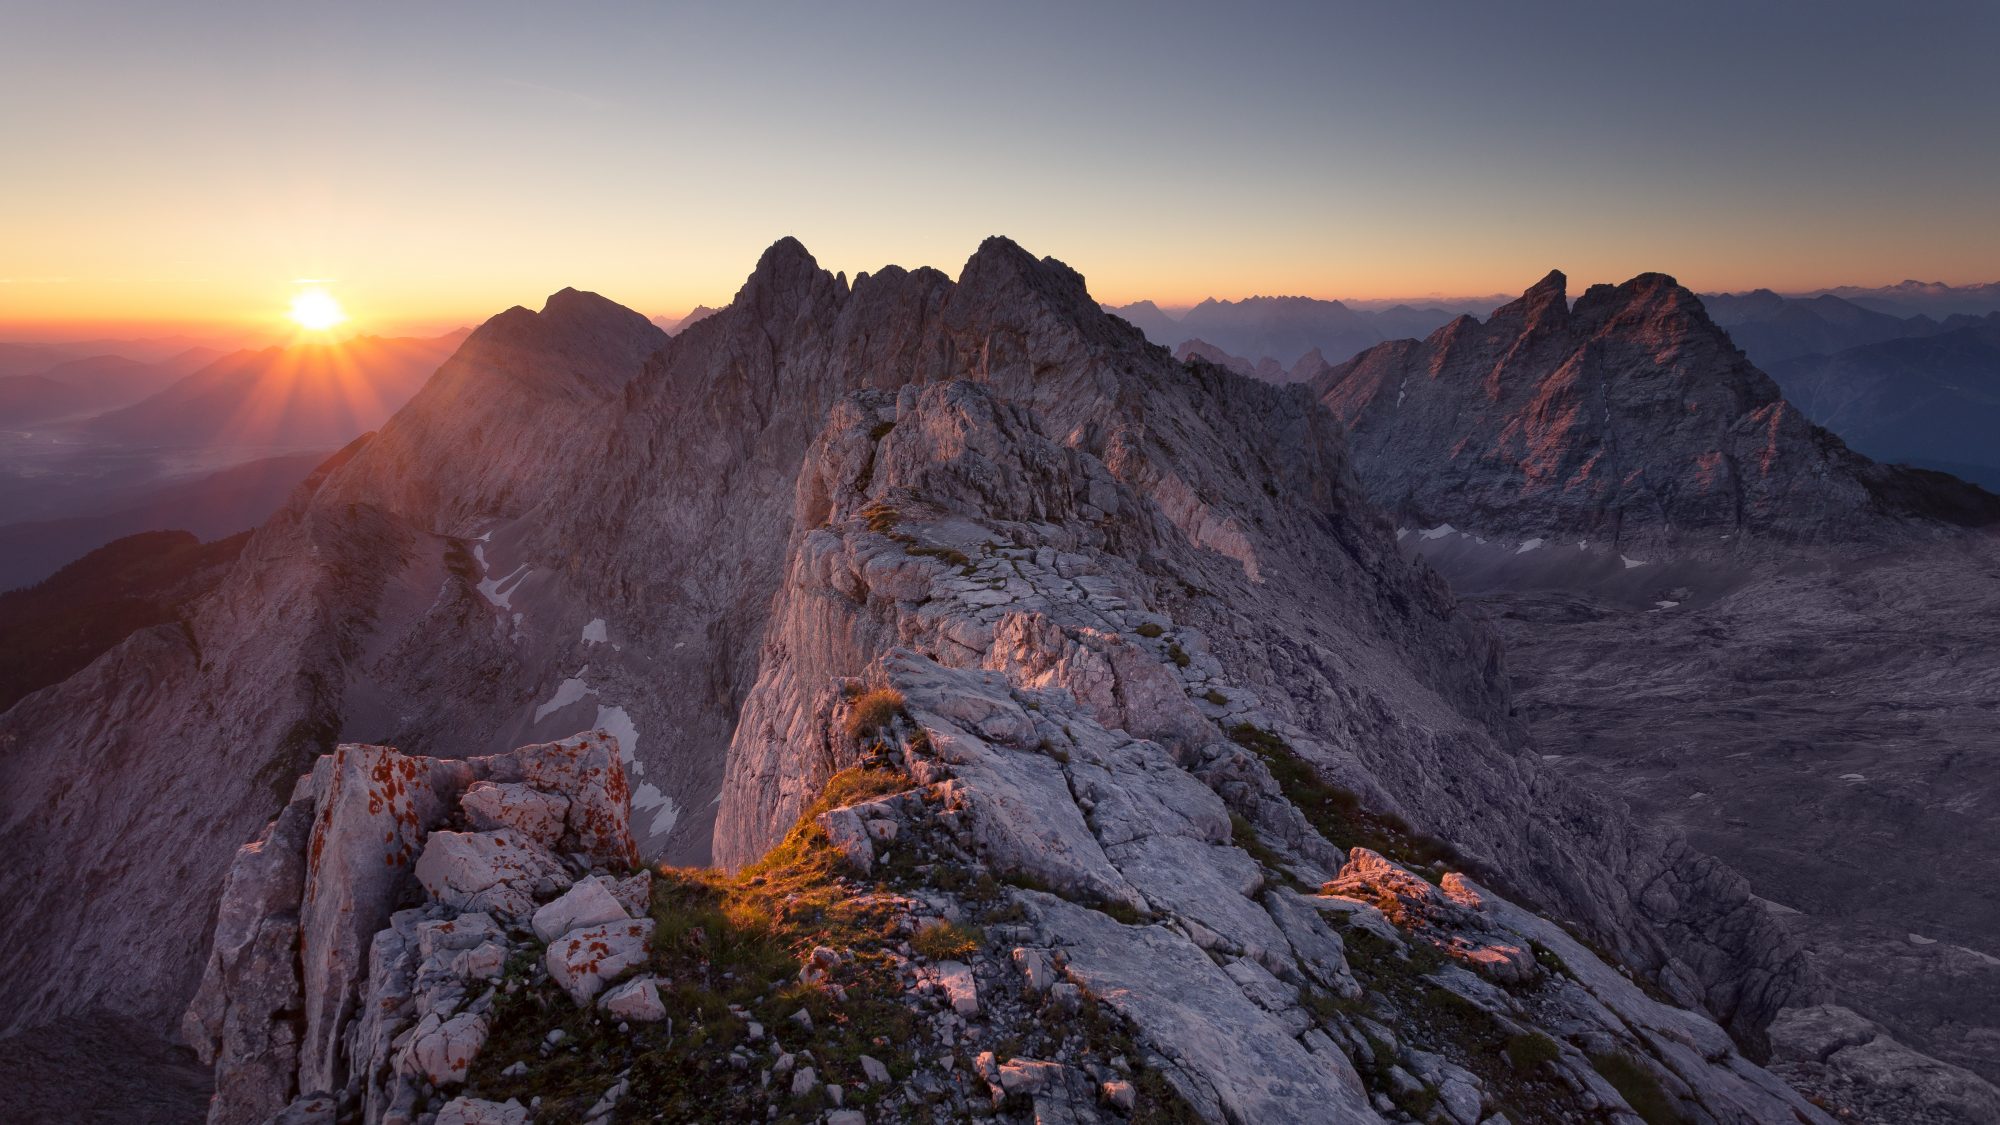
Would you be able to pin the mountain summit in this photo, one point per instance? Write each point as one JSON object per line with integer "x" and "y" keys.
{"x": 1629, "y": 418}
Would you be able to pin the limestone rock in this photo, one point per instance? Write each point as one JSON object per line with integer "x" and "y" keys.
{"x": 635, "y": 1000}
{"x": 1828, "y": 1039}
{"x": 474, "y": 1111}
{"x": 583, "y": 960}
{"x": 535, "y": 814}
{"x": 441, "y": 1050}
{"x": 491, "y": 871}
{"x": 373, "y": 807}
{"x": 252, "y": 978}
{"x": 587, "y": 903}
{"x": 634, "y": 893}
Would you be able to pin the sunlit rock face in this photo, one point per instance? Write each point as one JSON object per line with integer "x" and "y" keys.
{"x": 1628, "y": 419}
{"x": 687, "y": 543}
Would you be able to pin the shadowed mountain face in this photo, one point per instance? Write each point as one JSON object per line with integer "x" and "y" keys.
{"x": 985, "y": 489}
{"x": 52, "y": 629}
{"x": 1630, "y": 419}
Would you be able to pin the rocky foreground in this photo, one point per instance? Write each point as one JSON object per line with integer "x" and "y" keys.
{"x": 1003, "y": 910}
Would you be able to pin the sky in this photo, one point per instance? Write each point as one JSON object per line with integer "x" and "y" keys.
{"x": 434, "y": 163}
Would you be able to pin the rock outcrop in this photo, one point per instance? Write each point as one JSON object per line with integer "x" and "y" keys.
{"x": 359, "y": 938}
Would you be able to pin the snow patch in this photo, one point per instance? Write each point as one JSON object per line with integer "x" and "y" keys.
{"x": 1438, "y": 532}
{"x": 1630, "y": 563}
{"x": 1401, "y": 532}
{"x": 1529, "y": 545}
{"x": 648, "y": 796}
{"x": 567, "y": 692}
{"x": 1919, "y": 939}
{"x": 500, "y": 591}
{"x": 615, "y": 720}
{"x": 1664, "y": 605}
{"x": 1853, "y": 777}
{"x": 593, "y": 633}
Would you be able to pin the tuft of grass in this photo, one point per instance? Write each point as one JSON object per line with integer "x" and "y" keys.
{"x": 727, "y": 950}
{"x": 1334, "y": 812}
{"x": 1530, "y": 1049}
{"x": 1178, "y": 655}
{"x": 947, "y": 941}
{"x": 948, "y": 555}
{"x": 1216, "y": 697}
{"x": 1123, "y": 912}
{"x": 1245, "y": 835}
{"x": 881, "y": 518}
{"x": 1149, "y": 630}
{"x": 1640, "y": 1089}
{"x": 872, "y": 712}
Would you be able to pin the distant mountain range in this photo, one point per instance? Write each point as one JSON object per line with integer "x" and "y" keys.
{"x": 1925, "y": 298}
{"x": 672, "y": 324}
{"x": 1930, "y": 400}
{"x": 50, "y": 630}
{"x": 302, "y": 396}
{"x": 67, "y": 388}
{"x": 1285, "y": 329}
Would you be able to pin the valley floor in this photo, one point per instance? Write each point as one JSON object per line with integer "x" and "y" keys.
{"x": 1834, "y": 734}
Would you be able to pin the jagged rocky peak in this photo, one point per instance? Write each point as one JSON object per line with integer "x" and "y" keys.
{"x": 1629, "y": 419}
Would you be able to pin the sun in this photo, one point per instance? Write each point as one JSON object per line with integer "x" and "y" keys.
{"x": 316, "y": 310}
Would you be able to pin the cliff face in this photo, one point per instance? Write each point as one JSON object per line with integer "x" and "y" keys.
{"x": 986, "y": 492}
{"x": 1630, "y": 418}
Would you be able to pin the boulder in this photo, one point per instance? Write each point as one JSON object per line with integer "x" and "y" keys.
{"x": 849, "y": 836}
{"x": 238, "y": 1020}
{"x": 441, "y": 1050}
{"x": 587, "y": 770}
{"x": 584, "y": 960}
{"x": 634, "y": 893}
{"x": 497, "y": 871}
{"x": 955, "y": 977}
{"x": 588, "y": 903}
{"x": 535, "y": 814}
{"x": 474, "y": 1111}
{"x": 635, "y": 1000}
